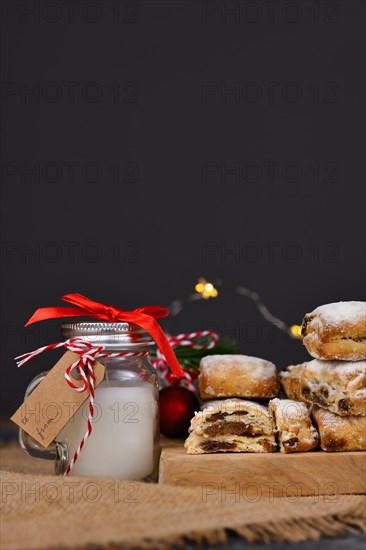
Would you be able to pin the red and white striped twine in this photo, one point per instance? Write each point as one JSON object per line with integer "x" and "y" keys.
{"x": 88, "y": 354}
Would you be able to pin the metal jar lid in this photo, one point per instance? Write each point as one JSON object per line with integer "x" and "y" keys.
{"x": 110, "y": 335}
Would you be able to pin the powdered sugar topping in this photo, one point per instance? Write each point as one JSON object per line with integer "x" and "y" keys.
{"x": 350, "y": 368}
{"x": 292, "y": 370}
{"x": 341, "y": 312}
{"x": 259, "y": 367}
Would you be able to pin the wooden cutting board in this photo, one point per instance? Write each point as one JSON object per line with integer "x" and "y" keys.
{"x": 273, "y": 474}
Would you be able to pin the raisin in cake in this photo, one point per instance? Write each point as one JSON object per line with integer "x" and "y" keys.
{"x": 335, "y": 385}
{"x": 295, "y": 431}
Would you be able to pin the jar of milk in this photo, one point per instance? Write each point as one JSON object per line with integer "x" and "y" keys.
{"x": 124, "y": 443}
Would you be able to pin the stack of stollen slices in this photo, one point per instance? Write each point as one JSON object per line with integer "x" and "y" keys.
{"x": 232, "y": 419}
{"x": 333, "y": 384}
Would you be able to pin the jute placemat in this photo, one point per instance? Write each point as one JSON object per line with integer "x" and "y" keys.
{"x": 41, "y": 511}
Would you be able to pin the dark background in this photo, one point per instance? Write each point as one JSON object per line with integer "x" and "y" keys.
{"x": 115, "y": 169}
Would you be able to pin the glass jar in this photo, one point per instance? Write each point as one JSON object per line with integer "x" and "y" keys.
{"x": 124, "y": 443}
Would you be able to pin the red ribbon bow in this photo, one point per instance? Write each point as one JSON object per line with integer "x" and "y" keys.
{"x": 144, "y": 317}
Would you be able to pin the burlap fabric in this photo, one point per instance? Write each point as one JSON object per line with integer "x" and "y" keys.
{"x": 42, "y": 511}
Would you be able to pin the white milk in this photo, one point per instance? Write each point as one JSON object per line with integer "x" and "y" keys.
{"x": 121, "y": 444}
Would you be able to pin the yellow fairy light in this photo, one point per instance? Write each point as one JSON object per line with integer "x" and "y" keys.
{"x": 295, "y": 331}
{"x": 206, "y": 289}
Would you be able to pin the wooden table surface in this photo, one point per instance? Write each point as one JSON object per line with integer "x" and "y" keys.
{"x": 276, "y": 474}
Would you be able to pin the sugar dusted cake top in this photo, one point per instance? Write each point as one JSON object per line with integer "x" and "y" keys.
{"x": 337, "y": 312}
{"x": 259, "y": 367}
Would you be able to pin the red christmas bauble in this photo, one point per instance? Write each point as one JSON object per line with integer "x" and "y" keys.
{"x": 177, "y": 406}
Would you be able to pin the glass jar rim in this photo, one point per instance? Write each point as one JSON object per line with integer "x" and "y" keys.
{"x": 110, "y": 335}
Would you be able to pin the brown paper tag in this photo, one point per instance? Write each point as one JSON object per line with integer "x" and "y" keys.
{"x": 51, "y": 405}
